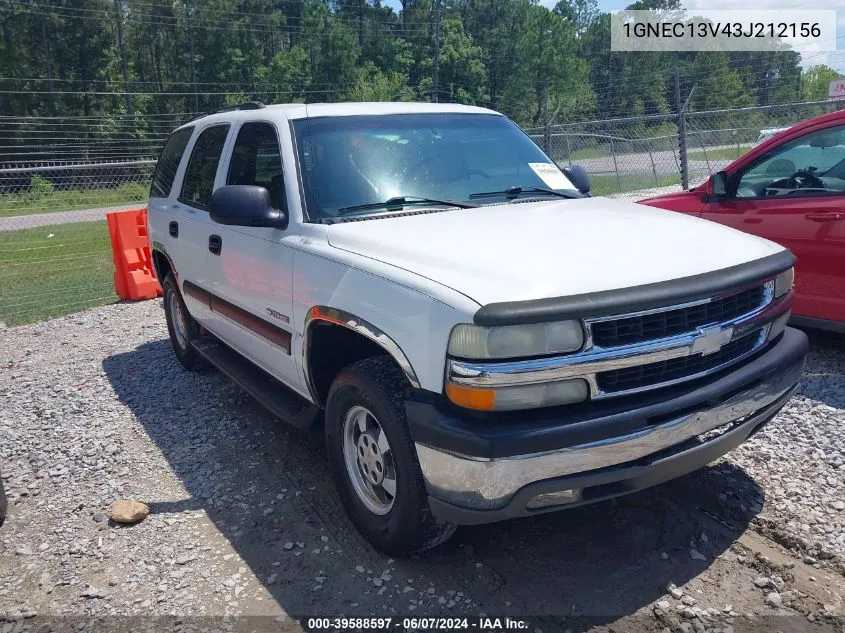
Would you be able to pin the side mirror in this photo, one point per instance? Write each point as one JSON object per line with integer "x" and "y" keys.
{"x": 719, "y": 184}
{"x": 578, "y": 176}
{"x": 246, "y": 205}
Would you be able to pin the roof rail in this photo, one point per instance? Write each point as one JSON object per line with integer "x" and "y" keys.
{"x": 249, "y": 105}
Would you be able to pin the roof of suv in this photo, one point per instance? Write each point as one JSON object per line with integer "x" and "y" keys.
{"x": 312, "y": 110}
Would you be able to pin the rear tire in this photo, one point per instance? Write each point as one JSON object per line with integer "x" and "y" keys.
{"x": 181, "y": 326}
{"x": 373, "y": 460}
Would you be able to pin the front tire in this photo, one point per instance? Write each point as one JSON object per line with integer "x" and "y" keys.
{"x": 181, "y": 326}
{"x": 373, "y": 460}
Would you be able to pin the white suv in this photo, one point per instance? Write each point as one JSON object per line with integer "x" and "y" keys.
{"x": 479, "y": 338}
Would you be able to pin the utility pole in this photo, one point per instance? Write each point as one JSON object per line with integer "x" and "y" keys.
{"x": 436, "y": 51}
{"x": 361, "y": 9}
{"x": 547, "y": 130}
{"x": 118, "y": 8}
{"x": 193, "y": 62}
{"x": 44, "y": 43}
{"x": 683, "y": 108}
{"x": 682, "y": 132}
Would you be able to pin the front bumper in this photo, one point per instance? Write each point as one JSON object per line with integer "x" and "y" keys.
{"x": 477, "y": 470}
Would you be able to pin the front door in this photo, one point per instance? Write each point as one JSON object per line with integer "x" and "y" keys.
{"x": 252, "y": 270}
{"x": 795, "y": 195}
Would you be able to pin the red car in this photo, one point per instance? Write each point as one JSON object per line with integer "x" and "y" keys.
{"x": 791, "y": 190}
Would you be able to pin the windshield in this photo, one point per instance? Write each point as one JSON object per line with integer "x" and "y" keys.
{"x": 350, "y": 161}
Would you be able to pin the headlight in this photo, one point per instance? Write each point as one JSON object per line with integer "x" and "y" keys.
{"x": 515, "y": 341}
{"x": 783, "y": 282}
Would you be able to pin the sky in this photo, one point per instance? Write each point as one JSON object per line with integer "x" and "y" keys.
{"x": 834, "y": 59}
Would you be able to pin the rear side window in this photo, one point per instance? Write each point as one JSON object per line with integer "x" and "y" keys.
{"x": 256, "y": 160}
{"x": 202, "y": 167}
{"x": 168, "y": 162}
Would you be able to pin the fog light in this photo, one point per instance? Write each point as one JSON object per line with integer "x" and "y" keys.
{"x": 519, "y": 397}
{"x": 778, "y": 325}
{"x": 547, "y": 394}
{"x": 557, "y": 498}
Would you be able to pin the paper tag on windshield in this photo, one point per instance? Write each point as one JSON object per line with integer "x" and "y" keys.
{"x": 551, "y": 174}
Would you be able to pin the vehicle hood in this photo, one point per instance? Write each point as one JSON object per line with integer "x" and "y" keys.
{"x": 517, "y": 252}
{"x": 666, "y": 200}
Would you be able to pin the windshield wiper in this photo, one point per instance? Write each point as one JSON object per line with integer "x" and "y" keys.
{"x": 516, "y": 190}
{"x": 399, "y": 202}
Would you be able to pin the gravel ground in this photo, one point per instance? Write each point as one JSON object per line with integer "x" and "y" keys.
{"x": 245, "y": 521}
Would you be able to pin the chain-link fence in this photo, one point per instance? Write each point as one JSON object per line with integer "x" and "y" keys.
{"x": 621, "y": 155}
{"x": 640, "y": 156}
{"x": 59, "y": 177}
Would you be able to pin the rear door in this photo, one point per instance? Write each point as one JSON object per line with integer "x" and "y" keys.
{"x": 794, "y": 194}
{"x": 162, "y": 207}
{"x": 190, "y": 211}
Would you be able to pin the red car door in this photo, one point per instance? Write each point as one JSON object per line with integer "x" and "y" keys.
{"x": 794, "y": 194}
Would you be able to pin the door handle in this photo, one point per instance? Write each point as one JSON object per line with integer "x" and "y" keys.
{"x": 215, "y": 244}
{"x": 822, "y": 216}
{"x": 173, "y": 229}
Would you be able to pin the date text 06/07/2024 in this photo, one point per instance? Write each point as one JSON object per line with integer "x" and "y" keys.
{"x": 418, "y": 623}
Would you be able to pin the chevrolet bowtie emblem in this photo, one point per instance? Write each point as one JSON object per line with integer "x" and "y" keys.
{"x": 711, "y": 339}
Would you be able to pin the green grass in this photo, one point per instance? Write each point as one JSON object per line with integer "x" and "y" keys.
{"x": 560, "y": 156}
{"x": 727, "y": 153}
{"x": 45, "y": 200}
{"x": 54, "y": 270}
{"x": 588, "y": 152}
{"x": 607, "y": 184}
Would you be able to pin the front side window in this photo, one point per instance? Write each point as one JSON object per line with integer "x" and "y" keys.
{"x": 349, "y": 161}
{"x": 813, "y": 164}
{"x": 168, "y": 162}
{"x": 202, "y": 167}
{"x": 256, "y": 160}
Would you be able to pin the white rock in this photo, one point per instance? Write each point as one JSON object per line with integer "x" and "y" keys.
{"x": 774, "y": 600}
{"x": 694, "y": 554}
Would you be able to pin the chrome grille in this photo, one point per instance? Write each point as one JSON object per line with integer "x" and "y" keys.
{"x": 683, "y": 368}
{"x": 650, "y": 349}
{"x": 656, "y": 325}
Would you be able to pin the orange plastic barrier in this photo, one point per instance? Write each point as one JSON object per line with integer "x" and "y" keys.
{"x": 134, "y": 275}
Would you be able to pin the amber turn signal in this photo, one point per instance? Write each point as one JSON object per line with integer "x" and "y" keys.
{"x": 471, "y": 398}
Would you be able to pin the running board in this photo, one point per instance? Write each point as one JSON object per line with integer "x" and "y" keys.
{"x": 280, "y": 400}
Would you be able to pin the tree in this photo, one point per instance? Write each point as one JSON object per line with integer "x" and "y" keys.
{"x": 463, "y": 76}
{"x": 373, "y": 84}
{"x": 580, "y": 13}
{"x": 80, "y": 57}
{"x": 815, "y": 82}
{"x": 717, "y": 85}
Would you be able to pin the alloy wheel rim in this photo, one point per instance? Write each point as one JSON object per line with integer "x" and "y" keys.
{"x": 180, "y": 330}
{"x": 369, "y": 460}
